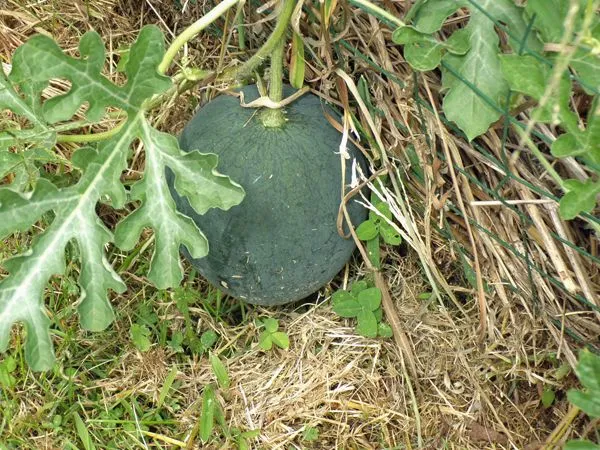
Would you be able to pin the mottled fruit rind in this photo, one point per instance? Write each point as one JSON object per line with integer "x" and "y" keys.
{"x": 281, "y": 243}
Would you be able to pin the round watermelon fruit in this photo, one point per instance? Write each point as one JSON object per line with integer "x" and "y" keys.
{"x": 281, "y": 243}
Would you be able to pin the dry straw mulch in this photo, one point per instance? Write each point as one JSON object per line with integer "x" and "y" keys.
{"x": 473, "y": 365}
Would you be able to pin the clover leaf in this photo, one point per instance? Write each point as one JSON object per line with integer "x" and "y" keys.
{"x": 364, "y": 304}
{"x": 376, "y": 228}
{"x": 271, "y": 335}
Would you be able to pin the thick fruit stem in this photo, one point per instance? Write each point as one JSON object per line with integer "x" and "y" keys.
{"x": 272, "y": 118}
{"x": 276, "y": 85}
{"x": 275, "y": 118}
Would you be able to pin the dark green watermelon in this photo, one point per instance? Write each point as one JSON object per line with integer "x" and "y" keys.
{"x": 281, "y": 243}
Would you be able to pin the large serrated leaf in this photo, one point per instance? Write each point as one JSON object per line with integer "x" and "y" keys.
{"x": 481, "y": 68}
{"x": 74, "y": 217}
{"x": 475, "y": 87}
{"x": 40, "y": 59}
{"x": 37, "y": 132}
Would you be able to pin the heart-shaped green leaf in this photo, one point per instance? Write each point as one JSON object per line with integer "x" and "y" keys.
{"x": 367, "y": 324}
{"x": 367, "y": 230}
{"x": 281, "y": 340}
{"x": 370, "y": 299}
{"x": 389, "y": 234}
{"x": 348, "y": 308}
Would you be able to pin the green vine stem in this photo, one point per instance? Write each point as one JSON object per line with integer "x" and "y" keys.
{"x": 274, "y": 117}
{"x": 539, "y": 155}
{"x": 239, "y": 21}
{"x": 114, "y": 115}
{"x": 241, "y": 73}
{"x": 246, "y": 70}
{"x": 93, "y": 137}
{"x": 191, "y": 31}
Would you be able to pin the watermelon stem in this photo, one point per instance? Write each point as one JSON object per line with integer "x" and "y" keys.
{"x": 276, "y": 85}
{"x": 274, "y": 118}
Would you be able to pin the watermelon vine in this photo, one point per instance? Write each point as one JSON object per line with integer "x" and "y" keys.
{"x": 71, "y": 209}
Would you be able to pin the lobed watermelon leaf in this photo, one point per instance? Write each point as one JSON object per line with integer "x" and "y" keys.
{"x": 73, "y": 206}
